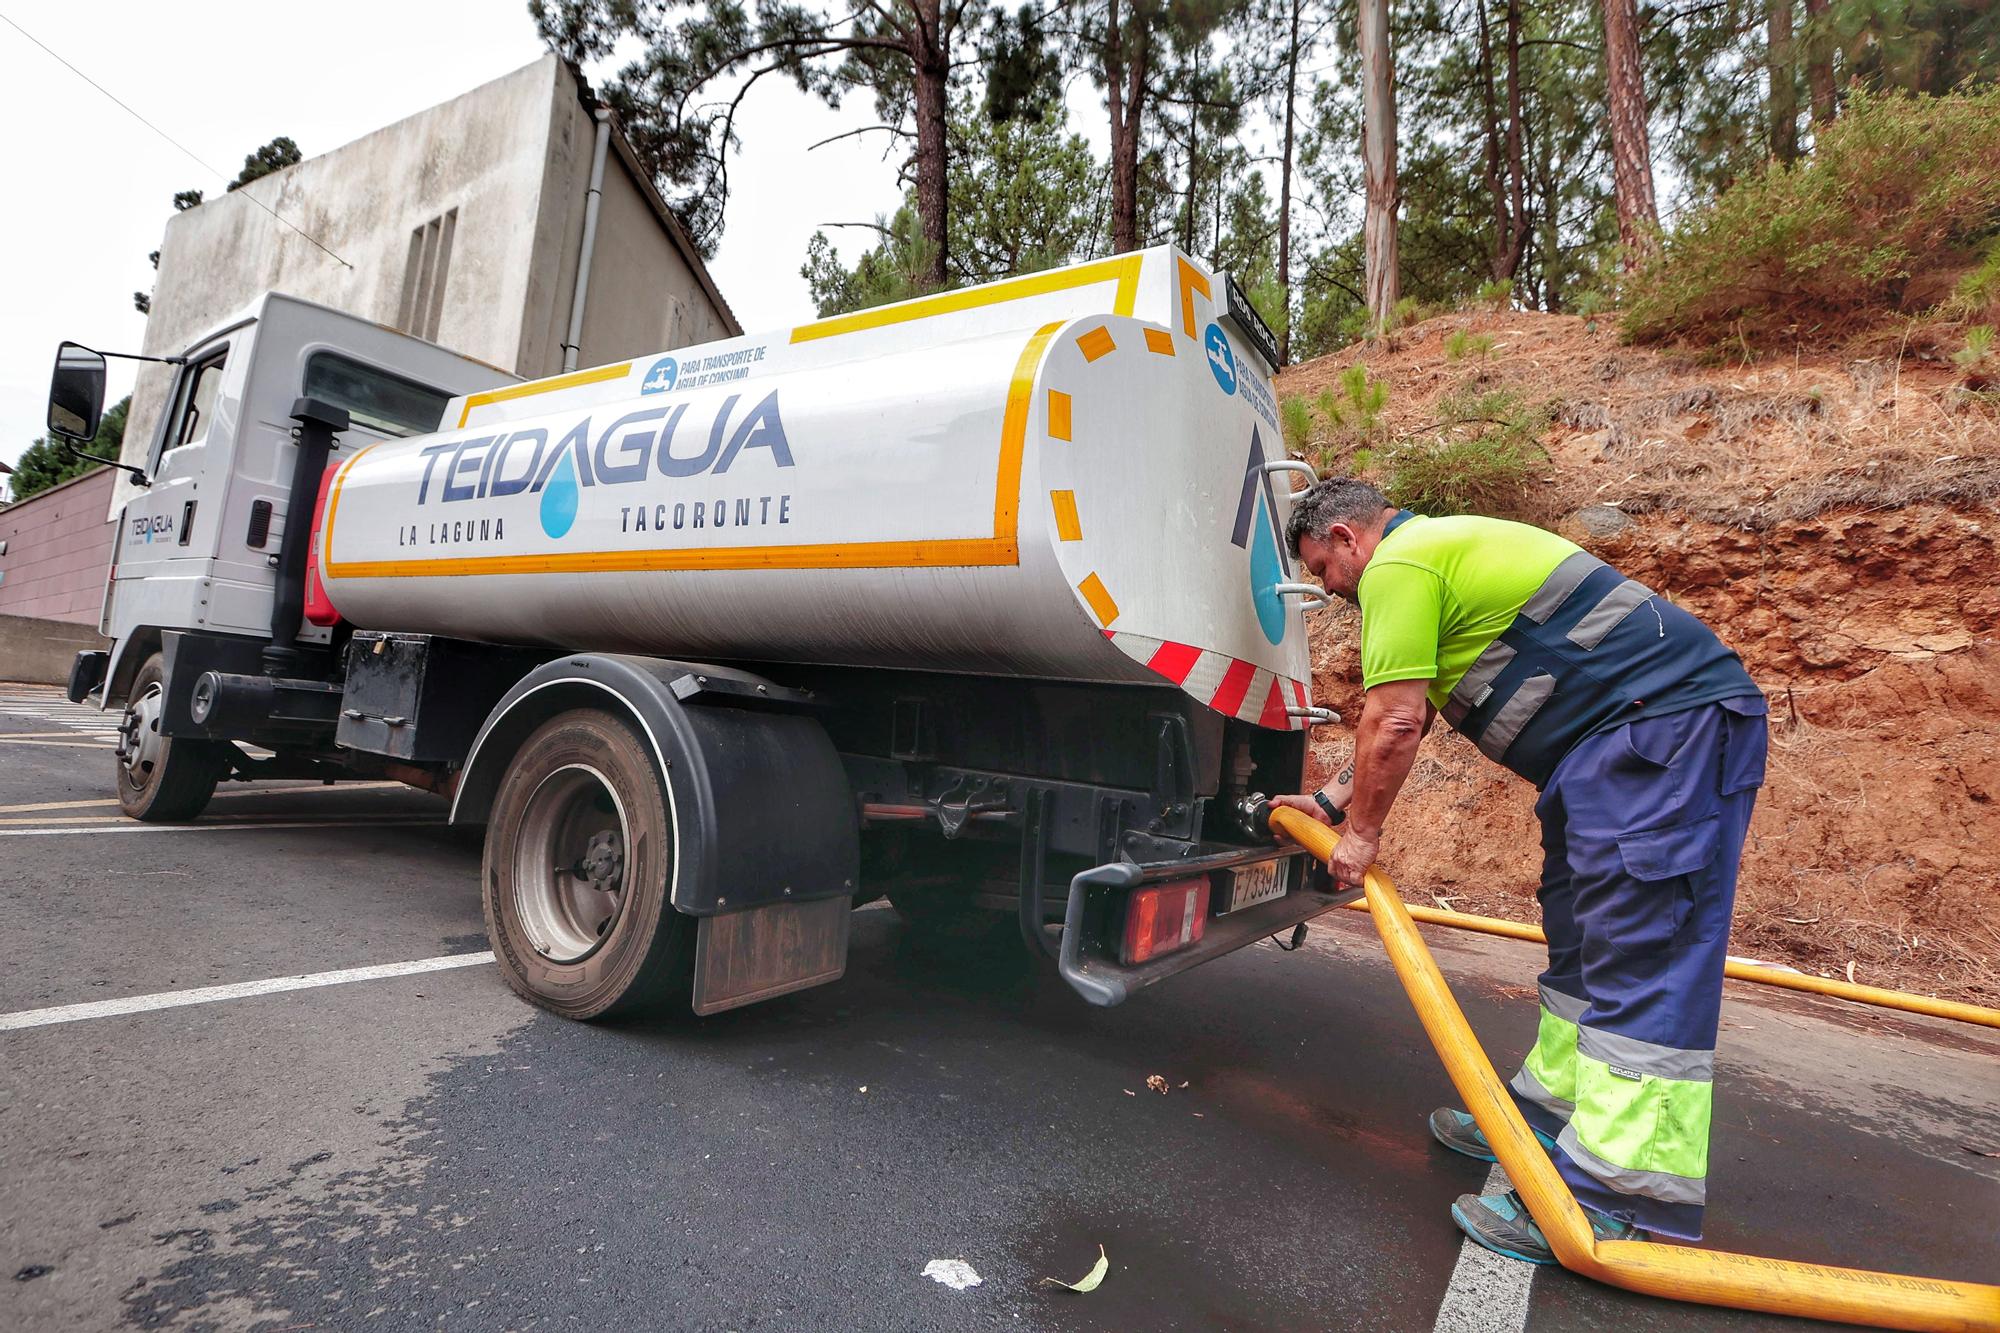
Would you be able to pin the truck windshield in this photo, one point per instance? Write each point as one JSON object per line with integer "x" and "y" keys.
{"x": 375, "y": 400}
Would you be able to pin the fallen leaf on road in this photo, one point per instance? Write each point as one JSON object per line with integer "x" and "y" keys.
{"x": 1157, "y": 1084}
{"x": 954, "y": 1273}
{"x": 1978, "y": 1152}
{"x": 1128, "y": 1092}
{"x": 1089, "y": 1281}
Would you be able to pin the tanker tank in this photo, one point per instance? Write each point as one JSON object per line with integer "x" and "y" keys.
{"x": 1074, "y": 475}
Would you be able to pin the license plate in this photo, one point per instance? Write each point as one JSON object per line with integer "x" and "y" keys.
{"x": 1256, "y": 884}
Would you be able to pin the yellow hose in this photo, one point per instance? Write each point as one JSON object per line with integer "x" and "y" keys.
{"x": 1768, "y": 976}
{"x": 1676, "y": 1272}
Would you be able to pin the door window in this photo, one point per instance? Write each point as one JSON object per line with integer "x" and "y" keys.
{"x": 201, "y": 385}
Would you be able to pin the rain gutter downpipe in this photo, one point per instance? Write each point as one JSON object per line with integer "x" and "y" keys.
{"x": 591, "y": 198}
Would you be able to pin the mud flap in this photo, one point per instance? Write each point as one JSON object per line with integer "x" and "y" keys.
{"x": 750, "y": 955}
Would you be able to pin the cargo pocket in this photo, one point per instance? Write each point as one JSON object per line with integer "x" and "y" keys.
{"x": 1745, "y": 742}
{"x": 1662, "y": 867}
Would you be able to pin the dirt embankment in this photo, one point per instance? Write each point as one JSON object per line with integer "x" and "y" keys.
{"x": 1846, "y": 550}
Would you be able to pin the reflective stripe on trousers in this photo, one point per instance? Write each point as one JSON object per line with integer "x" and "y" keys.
{"x": 1642, "y": 830}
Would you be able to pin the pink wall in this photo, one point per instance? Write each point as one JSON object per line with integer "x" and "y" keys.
{"x": 58, "y": 545}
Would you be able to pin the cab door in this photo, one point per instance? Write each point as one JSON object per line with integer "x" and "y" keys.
{"x": 167, "y": 539}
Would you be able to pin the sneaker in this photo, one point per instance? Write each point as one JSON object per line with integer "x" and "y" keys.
{"x": 1460, "y": 1132}
{"x": 1501, "y": 1223}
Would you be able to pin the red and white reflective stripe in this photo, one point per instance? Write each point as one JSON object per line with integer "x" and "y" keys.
{"x": 1230, "y": 685}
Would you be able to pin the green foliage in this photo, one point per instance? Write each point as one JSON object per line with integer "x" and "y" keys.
{"x": 1897, "y": 187}
{"x": 1461, "y": 343}
{"x": 1024, "y": 195}
{"x": 1979, "y": 290}
{"x": 48, "y": 462}
{"x": 276, "y": 155}
{"x": 1976, "y": 359}
{"x": 1355, "y": 405}
{"x": 892, "y": 271}
{"x": 1295, "y": 417}
{"x": 1496, "y": 295}
{"x": 1480, "y": 462}
{"x": 1591, "y": 304}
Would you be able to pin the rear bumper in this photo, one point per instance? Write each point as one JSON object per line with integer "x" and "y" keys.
{"x": 1105, "y": 983}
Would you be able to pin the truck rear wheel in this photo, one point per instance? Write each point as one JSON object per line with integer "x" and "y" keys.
{"x": 162, "y": 779}
{"x": 579, "y": 870}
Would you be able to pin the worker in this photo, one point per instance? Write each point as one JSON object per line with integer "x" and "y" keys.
{"x": 1646, "y": 738}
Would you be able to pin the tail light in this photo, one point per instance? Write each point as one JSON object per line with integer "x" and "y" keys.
{"x": 1161, "y": 918}
{"x": 319, "y": 608}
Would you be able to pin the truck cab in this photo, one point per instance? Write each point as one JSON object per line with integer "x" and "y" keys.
{"x": 198, "y": 548}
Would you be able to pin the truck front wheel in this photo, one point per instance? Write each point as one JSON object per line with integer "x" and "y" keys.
{"x": 578, "y": 873}
{"x": 162, "y": 779}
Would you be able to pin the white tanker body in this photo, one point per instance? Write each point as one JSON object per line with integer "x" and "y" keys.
{"x": 978, "y": 602}
{"x": 1073, "y": 482}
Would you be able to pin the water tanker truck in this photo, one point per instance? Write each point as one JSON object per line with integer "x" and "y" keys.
{"x": 980, "y": 602}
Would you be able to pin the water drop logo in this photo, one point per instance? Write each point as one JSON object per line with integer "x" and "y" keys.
{"x": 1266, "y": 571}
{"x": 664, "y": 375}
{"x": 559, "y": 498}
{"x": 1221, "y": 360}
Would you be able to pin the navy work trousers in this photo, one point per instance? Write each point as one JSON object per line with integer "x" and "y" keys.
{"x": 1642, "y": 832}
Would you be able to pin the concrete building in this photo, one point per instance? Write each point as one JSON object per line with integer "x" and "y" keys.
{"x": 54, "y": 548}
{"x": 462, "y": 224}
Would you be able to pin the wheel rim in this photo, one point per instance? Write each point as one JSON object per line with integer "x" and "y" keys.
{"x": 570, "y": 868}
{"x": 140, "y": 744}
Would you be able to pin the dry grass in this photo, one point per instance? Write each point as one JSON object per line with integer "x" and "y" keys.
{"x": 1745, "y": 446}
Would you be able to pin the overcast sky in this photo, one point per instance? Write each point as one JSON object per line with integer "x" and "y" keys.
{"x": 94, "y": 187}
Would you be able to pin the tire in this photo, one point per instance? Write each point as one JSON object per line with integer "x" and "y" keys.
{"x": 162, "y": 779}
{"x": 578, "y": 871}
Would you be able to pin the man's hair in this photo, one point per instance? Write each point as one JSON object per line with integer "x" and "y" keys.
{"x": 1336, "y": 500}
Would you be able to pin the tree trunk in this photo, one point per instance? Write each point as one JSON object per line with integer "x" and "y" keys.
{"x": 1378, "y": 154}
{"x": 1517, "y": 240}
{"x": 932, "y": 74}
{"x": 1631, "y": 151}
{"x": 1285, "y": 190}
{"x": 1124, "y": 84}
{"x": 1819, "y": 65}
{"x": 1780, "y": 65}
{"x": 1496, "y": 190}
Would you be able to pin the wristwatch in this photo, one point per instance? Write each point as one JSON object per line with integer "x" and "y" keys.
{"x": 1333, "y": 812}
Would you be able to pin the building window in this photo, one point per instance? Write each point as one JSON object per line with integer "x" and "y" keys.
{"x": 424, "y": 277}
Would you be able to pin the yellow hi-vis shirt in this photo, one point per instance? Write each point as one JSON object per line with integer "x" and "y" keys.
{"x": 1438, "y": 590}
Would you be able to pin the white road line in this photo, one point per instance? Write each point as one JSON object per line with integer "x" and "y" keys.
{"x": 385, "y": 821}
{"x": 174, "y": 999}
{"x": 313, "y": 789}
{"x": 1488, "y": 1292}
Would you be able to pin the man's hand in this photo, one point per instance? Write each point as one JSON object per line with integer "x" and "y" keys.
{"x": 1306, "y": 805}
{"x": 1350, "y": 860}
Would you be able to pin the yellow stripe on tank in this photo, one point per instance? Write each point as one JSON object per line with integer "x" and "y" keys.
{"x": 596, "y": 375}
{"x": 1124, "y": 270}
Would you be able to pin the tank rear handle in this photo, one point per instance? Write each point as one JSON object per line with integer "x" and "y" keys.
{"x": 1315, "y": 597}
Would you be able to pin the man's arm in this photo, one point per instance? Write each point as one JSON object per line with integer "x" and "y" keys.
{"x": 1394, "y": 719}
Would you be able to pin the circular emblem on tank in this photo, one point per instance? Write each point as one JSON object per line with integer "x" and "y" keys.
{"x": 665, "y": 373}
{"x": 1221, "y": 360}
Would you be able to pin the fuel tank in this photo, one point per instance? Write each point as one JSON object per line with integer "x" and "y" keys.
{"x": 1074, "y": 475}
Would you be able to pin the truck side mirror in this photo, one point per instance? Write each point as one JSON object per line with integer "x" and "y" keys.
{"x": 76, "y": 393}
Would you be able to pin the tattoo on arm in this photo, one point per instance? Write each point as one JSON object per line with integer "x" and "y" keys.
{"x": 1346, "y": 775}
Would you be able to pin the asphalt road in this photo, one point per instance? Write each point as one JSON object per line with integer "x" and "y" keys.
{"x": 425, "y": 1150}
